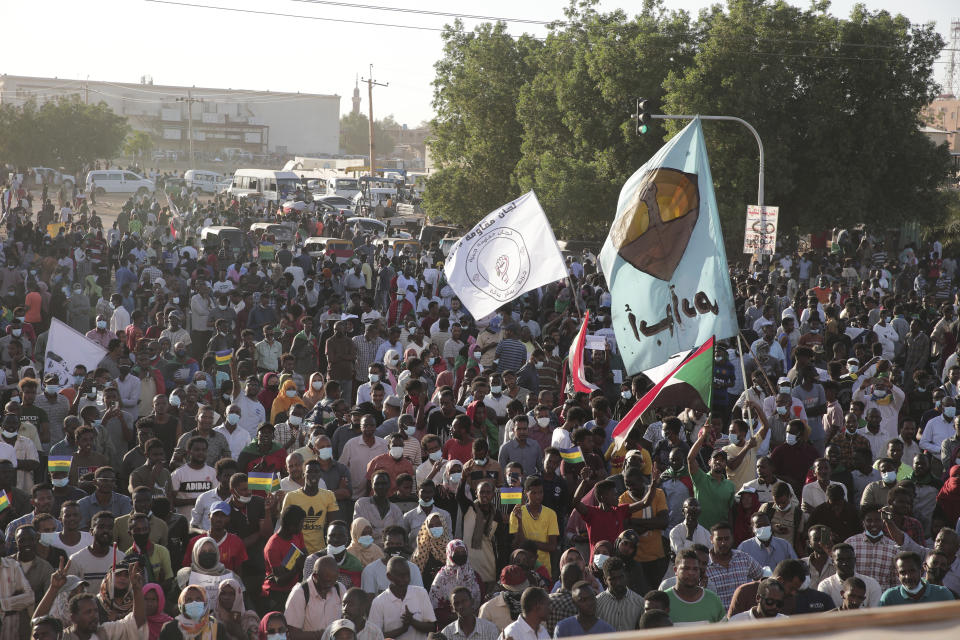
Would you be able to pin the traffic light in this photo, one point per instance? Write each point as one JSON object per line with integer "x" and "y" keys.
{"x": 642, "y": 116}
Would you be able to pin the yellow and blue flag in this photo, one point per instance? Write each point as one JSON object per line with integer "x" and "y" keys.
{"x": 664, "y": 257}
{"x": 572, "y": 455}
{"x": 511, "y": 495}
{"x": 293, "y": 554}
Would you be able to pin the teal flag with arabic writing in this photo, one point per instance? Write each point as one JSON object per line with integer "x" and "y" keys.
{"x": 664, "y": 258}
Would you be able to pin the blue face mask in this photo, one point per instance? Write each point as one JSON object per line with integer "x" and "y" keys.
{"x": 365, "y": 541}
{"x": 426, "y": 503}
{"x": 194, "y": 610}
{"x": 436, "y": 532}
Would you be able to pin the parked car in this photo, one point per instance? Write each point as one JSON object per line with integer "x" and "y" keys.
{"x": 118, "y": 181}
{"x": 53, "y": 177}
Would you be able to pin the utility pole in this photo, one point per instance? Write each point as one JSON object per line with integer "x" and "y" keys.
{"x": 189, "y": 100}
{"x": 370, "y": 84}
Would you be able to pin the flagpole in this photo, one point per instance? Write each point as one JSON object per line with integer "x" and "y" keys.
{"x": 746, "y": 386}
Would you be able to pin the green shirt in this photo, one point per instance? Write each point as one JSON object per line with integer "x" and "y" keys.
{"x": 707, "y": 609}
{"x": 933, "y": 593}
{"x": 715, "y": 497}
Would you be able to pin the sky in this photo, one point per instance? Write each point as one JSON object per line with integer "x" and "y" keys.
{"x": 179, "y": 44}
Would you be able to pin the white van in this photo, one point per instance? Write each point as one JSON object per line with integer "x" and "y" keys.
{"x": 199, "y": 180}
{"x": 268, "y": 184}
{"x": 117, "y": 181}
{"x": 343, "y": 187}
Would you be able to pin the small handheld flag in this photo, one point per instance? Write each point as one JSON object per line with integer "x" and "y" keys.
{"x": 224, "y": 357}
{"x": 59, "y": 463}
{"x": 261, "y": 481}
{"x": 4, "y": 500}
{"x": 572, "y": 455}
{"x": 511, "y": 495}
{"x": 293, "y": 554}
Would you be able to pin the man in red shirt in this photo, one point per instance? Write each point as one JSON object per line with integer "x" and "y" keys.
{"x": 233, "y": 552}
{"x": 460, "y": 446}
{"x": 392, "y": 462}
{"x": 283, "y": 568}
{"x": 606, "y": 521}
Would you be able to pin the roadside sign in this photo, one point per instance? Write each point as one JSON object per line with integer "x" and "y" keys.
{"x": 760, "y": 232}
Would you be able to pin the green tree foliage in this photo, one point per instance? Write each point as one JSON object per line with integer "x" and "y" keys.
{"x": 836, "y": 102}
{"x": 60, "y": 133}
{"x": 355, "y": 135}
{"x": 138, "y": 144}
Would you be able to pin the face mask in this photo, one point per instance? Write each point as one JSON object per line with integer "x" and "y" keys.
{"x": 290, "y": 393}
{"x": 496, "y": 389}
{"x": 365, "y": 541}
{"x": 626, "y": 395}
{"x": 763, "y": 534}
{"x": 538, "y": 364}
{"x": 176, "y": 301}
{"x": 295, "y": 420}
{"x": 600, "y": 559}
{"x": 374, "y": 378}
{"x": 852, "y": 368}
{"x": 791, "y": 439}
{"x": 60, "y": 482}
{"x": 783, "y": 509}
{"x": 889, "y": 477}
{"x": 101, "y": 324}
{"x": 233, "y": 418}
{"x": 276, "y": 636}
{"x": 880, "y": 393}
{"x": 873, "y": 536}
{"x": 9, "y": 435}
{"x": 734, "y": 439}
{"x": 782, "y": 411}
{"x": 335, "y": 550}
{"x": 950, "y": 412}
{"x": 317, "y": 385}
{"x": 784, "y": 389}
{"x": 16, "y": 332}
{"x": 49, "y": 538}
{"x": 476, "y": 355}
{"x": 175, "y": 401}
{"x": 913, "y": 590}
{"x": 480, "y": 462}
{"x": 412, "y": 429}
{"x": 207, "y": 559}
{"x": 194, "y": 610}
{"x": 436, "y": 532}
{"x": 436, "y": 455}
{"x": 77, "y": 379}
{"x": 325, "y": 453}
{"x": 201, "y": 384}
{"x": 396, "y": 452}
{"x": 455, "y": 478}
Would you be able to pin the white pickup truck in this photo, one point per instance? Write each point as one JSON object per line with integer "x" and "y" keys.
{"x": 53, "y": 177}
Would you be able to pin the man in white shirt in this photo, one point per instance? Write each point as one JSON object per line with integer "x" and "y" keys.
{"x": 690, "y": 531}
{"x": 120, "y": 319}
{"x": 845, "y": 559}
{"x": 404, "y": 611}
{"x": 315, "y": 603}
{"x": 252, "y": 412}
{"x": 770, "y": 597}
{"x": 237, "y": 437}
{"x": 534, "y": 609}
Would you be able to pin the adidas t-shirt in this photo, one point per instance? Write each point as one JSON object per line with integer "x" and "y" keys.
{"x": 190, "y": 483}
{"x": 316, "y": 507}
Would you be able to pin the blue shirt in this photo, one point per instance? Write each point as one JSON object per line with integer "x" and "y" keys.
{"x": 608, "y": 431}
{"x": 569, "y": 627}
{"x": 897, "y": 595}
{"x": 120, "y": 505}
{"x": 771, "y": 555}
{"x": 11, "y": 532}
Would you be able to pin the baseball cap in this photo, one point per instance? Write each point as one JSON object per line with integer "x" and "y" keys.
{"x": 342, "y": 623}
{"x": 514, "y": 578}
{"x": 783, "y": 380}
{"x": 222, "y": 507}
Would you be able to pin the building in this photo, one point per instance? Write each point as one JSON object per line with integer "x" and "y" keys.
{"x": 943, "y": 115}
{"x": 224, "y": 122}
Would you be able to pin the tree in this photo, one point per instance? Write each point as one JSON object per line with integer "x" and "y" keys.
{"x": 476, "y": 136}
{"x": 138, "y": 144}
{"x": 355, "y": 135}
{"x": 836, "y": 103}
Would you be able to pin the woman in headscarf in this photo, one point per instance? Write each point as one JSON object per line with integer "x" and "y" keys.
{"x": 625, "y": 548}
{"x": 155, "y": 603}
{"x": 362, "y": 544}
{"x": 480, "y": 522}
{"x": 457, "y": 572}
{"x": 572, "y": 556}
{"x": 315, "y": 392}
{"x": 948, "y": 499}
{"x": 60, "y": 608}
{"x": 287, "y": 398}
{"x": 195, "y": 621}
{"x": 482, "y": 425}
{"x": 391, "y": 360}
{"x": 273, "y": 625}
{"x": 431, "y": 553}
{"x": 205, "y": 545}
{"x": 271, "y": 385}
{"x": 115, "y": 599}
{"x": 239, "y": 623}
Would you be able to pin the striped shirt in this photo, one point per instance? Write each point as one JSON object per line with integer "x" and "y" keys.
{"x": 724, "y": 580}
{"x": 622, "y": 614}
{"x": 512, "y": 355}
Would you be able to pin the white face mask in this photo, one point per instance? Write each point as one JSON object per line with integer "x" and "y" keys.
{"x": 734, "y": 439}
{"x": 396, "y": 452}
{"x": 335, "y": 550}
{"x": 317, "y": 385}
{"x": 244, "y": 499}
{"x": 791, "y": 438}
{"x": 626, "y": 395}
{"x": 295, "y": 420}
{"x": 543, "y": 421}
{"x": 290, "y": 393}
{"x": 763, "y": 534}
{"x": 495, "y": 389}
{"x": 374, "y": 378}
{"x": 889, "y": 477}
{"x": 436, "y": 455}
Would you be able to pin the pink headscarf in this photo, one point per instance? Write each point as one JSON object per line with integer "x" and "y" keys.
{"x": 157, "y": 620}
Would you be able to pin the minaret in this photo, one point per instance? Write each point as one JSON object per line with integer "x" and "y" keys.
{"x": 356, "y": 97}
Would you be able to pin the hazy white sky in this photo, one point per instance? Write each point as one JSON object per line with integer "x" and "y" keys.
{"x": 121, "y": 40}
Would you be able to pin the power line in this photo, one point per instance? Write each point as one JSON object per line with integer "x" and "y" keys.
{"x": 425, "y": 12}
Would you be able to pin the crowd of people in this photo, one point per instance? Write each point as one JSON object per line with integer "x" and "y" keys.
{"x": 289, "y": 446}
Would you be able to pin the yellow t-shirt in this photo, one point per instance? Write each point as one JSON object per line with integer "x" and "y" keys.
{"x": 537, "y": 529}
{"x": 616, "y": 456}
{"x": 650, "y": 546}
{"x": 317, "y": 508}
